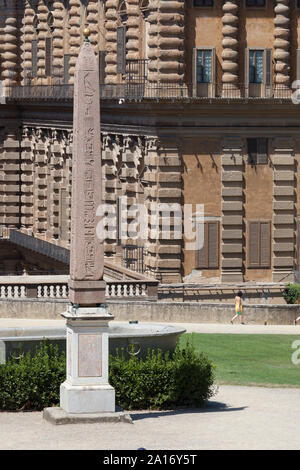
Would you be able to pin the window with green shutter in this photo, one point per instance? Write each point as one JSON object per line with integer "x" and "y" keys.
{"x": 259, "y": 244}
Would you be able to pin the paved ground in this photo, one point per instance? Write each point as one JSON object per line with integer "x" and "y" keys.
{"x": 190, "y": 327}
{"x": 236, "y": 418}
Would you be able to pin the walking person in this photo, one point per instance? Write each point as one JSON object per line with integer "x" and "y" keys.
{"x": 238, "y": 308}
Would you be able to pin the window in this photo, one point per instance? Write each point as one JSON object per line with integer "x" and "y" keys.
{"x": 259, "y": 244}
{"x": 255, "y": 3}
{"x": 258, "y": 151}
{"x": 204, "y": 61}
{"x": 208, "y": 256}
{"x": 203, "y": 3}
{"x": 256, "y": 66}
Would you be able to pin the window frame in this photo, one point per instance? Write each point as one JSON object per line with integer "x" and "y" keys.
{"x": 257, "y": 162}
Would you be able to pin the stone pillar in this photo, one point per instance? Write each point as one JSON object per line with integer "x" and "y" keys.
{"x": 10, "y": 184}
{"x": 10, "y": 57}
{"x": 92, "y": 20}
{"x": 27, "y": 171}
{"x": 163, "y": 179}
{"x": 230, "y": 77}
{"x": 282, "y": 46}
{"x": 133, "y": 33}
{"x": 284, "y": 199}
{"x": 28, "y": 35}
{"x": 171, "y": 21}
{"x": 153, "y": 41}
{"x": 110, "y": 156}
{"x": 58, "y": 43}
{"x": 86, "y": 389}
{"x": 75, "y": 35}
{"x": 232, "y": 211}
{"x": 42, "y": 15}
{"x": 111, "y": 41}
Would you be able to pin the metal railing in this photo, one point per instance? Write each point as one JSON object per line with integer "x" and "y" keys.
{"x": 135, "y": 91}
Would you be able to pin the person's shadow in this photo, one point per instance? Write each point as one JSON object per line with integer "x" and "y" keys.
{"x": 210, "y": 407}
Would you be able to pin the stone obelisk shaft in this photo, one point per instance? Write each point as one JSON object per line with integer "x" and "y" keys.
{"x": 87, "y": 257}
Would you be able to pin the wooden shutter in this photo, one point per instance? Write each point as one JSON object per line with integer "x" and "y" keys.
{"x": 66, "y": 68}
{"x": 246, "y": 72}
{"x": 102, "y": 66}
{"x": 265, "y": 244}
{"x": 121, "y": 49}
{"x": 208, "y": 256}
{"x": 213, "y": 244}
{"x": 268, "y": 68}
{"x": 48, "y": 58}
{"x": 213, "y": 71}
{"x": 253, "y": 244}
{"x": 34, "y": 50}
{"x": 262, "y": 151}
{"x": 194, "y": 71}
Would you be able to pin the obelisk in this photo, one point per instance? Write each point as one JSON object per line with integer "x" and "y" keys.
{"x": 86, "y": 390}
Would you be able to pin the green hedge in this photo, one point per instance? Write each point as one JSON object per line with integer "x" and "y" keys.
{"x": 291, "y": 293}
{"x": 159, "y": 381}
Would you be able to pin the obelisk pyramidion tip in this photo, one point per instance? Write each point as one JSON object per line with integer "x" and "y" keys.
{"x": 86, "y": 33}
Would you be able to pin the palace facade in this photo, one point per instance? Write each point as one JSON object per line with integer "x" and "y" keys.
{"x": 198, "y": 107}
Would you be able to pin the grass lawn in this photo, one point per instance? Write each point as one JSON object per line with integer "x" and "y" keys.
{"x": 249, "y": 359}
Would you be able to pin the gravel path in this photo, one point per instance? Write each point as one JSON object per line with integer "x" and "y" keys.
{"x": 236, "y": 418}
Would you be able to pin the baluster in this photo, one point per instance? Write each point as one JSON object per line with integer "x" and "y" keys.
{"x": 9, "y": 292}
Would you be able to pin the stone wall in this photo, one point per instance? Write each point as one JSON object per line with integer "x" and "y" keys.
{"x": 158, "y": 312}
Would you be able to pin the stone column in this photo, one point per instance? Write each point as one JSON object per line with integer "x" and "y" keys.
{"x": 230, "y": 52}
{"x": 111, "y": 41}
{"x": 10, "y": 57}
{"x": 110, "y": 157}
{"x": 232, "y": 211}
{"x": 92, "y": 20}
{"x": 27, "y": 170}
{"x": 58, "y": 43}
{"x": 42, "y": 15}
{"x": 153, "y": 41}
{"x": 10, "y": 184}
{"x": 164, "y": 187}
{"x": 28, "y": 35}
{"x": 75, "y": 35}
{"x": 282, "y": 46}
{"x": 283, "y": 209}
{"x": 133, "y": 33}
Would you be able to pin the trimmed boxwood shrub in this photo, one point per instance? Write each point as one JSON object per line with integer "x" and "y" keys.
{"x": 291, "y": 293}
{"x": 157, "y": 382}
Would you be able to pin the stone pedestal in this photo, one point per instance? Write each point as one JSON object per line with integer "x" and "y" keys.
{"x": 86, "y": 389}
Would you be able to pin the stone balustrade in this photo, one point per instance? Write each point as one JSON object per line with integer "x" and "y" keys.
{"x": 26, "y": 287}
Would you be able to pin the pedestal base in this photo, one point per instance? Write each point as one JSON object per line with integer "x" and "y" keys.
{"x": 87, "y": 398}
{"x": 59, "y": 416}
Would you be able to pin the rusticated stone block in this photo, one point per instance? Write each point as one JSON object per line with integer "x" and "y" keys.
{"x": 232, "y": 234}
{"x": 232, "y": 206}
{"x": 232, "y": 176}
{"x": 283, "y": 205}
{"x": 283, "y": 219}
